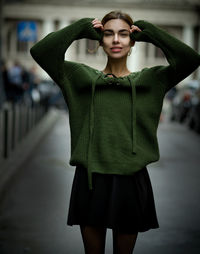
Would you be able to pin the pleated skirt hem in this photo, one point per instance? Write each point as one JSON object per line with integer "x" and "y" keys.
{"x": 123, "y": 203}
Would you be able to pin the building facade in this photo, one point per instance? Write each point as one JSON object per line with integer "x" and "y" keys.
{"x": 180, "y": 18}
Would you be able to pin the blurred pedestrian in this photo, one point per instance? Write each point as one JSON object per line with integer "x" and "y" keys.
{"x": 15, "y": 77}
{"x": 114, "y": 115}
{"x": 171, "y": 94}
{"x": 33, "y": 86}
{"x": 6, "y": 84}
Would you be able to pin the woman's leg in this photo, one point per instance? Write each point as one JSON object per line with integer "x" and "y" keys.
{"x": 123, "y": 243}
{"x": 93, "y": 239}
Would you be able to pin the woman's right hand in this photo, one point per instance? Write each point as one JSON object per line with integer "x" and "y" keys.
{"x": 97, "y": 24}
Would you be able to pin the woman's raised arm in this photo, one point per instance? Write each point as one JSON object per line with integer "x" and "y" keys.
{"x": 49, "y": 52}
{"x": 182, "y": 59}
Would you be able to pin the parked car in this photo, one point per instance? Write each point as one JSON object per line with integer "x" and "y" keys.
{"x": 193, "y": 119}
{"x": 182, "y": 101}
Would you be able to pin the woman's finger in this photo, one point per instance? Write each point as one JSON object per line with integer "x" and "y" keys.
{"x": 97, "y": 24}
{"x": 95, "y": 21}
{"x": 135, "y": 28}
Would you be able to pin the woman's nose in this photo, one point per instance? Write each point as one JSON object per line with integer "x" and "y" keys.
{"x": 116, "y": 38}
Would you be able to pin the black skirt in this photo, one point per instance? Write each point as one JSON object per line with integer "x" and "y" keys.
{"x": 123, "y": 203}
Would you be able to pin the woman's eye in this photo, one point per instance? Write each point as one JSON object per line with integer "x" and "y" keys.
{"x": 124, "y": 35}
{"x": 107, "y": 34}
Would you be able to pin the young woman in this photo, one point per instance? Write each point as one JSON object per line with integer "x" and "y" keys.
{"x": 113, "y": 116}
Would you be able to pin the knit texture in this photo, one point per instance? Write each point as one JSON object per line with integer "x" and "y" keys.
{"x": 113, "y": 121}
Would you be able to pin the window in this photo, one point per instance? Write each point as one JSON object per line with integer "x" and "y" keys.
{"x": 91, "y": 47}
{"x": 77, "y": 42}
{"x": 22, "y": 46}
{"x": 159, "y": 53}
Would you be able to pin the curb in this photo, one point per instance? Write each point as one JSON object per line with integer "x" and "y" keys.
{"x": 10, "y": 166}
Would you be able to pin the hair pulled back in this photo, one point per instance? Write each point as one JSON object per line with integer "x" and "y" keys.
{"x": 117, "y": 15}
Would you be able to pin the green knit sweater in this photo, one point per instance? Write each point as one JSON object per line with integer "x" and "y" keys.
{"x": 113, "y": 121}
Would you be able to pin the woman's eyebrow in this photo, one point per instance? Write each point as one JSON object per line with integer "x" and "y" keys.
{"x": 110, "y": 30}
{"x": 124, "y": 30}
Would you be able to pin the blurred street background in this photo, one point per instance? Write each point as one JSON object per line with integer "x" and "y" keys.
{"x": 35, "y": 178}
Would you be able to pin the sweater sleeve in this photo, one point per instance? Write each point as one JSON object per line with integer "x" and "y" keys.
{"x": 182, "y": 59}
{"x": 49, "y": 52}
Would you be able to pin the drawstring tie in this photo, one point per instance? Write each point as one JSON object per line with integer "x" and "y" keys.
{"x": 91, "y": 124}
{"x": 133, "y": 108}
{"x": 91, "y": 127}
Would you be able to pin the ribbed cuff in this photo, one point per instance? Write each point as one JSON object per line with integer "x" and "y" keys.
{"x": 88, "y": 31}
{"x": 141, "y": 36}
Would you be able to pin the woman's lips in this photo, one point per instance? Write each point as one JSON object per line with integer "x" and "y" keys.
{"x": 116, "y": 49}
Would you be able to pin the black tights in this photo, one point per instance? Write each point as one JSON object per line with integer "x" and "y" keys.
{"x": 94, "y": 241}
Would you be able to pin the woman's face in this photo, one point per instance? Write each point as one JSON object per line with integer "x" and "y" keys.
{"x": 116, "y": 39}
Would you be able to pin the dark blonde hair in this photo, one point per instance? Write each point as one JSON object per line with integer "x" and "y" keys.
{"x": 117, "y": 15}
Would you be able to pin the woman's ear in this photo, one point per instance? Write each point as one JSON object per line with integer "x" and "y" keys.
{"x": 132, "y": 43}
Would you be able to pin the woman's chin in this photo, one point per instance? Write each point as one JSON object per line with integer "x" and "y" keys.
{"x": 117, "y": 56}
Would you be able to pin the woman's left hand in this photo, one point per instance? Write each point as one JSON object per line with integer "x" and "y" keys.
{"x": 135, "y": 28}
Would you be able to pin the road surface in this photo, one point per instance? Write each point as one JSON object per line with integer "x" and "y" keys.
{"x": 34, "y": 203}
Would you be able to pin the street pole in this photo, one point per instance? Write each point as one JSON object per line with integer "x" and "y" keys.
{"x": 2, "y": 91}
